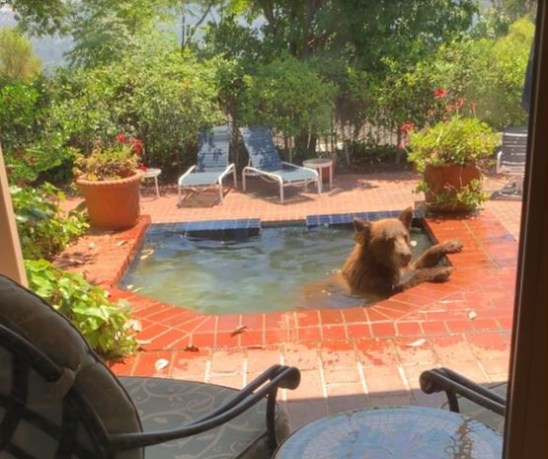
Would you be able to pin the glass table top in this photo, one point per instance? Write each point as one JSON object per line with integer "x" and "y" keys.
{"x": 395, "y": 433}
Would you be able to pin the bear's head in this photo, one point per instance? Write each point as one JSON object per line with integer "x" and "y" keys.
{"x": 386, "y": 240}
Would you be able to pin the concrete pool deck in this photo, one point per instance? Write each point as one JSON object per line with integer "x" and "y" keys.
{"x": 349, "y": 358}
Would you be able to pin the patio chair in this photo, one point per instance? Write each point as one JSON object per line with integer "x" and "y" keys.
{"x": 487, "y": 405}
{"x": 511, "y": 159}
{"x": 212, "y": 163}
{"x": 59, "y": 400}
{"x": 265, "y": 162}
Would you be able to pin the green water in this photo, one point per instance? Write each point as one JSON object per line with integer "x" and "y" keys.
{"x": 260, "y": 273}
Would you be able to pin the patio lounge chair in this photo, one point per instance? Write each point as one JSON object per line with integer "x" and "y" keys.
{"x": 212, "y": 163}
{"x": 59, "y": 400}
{"x": 265, "y": 162}
{"x": 511, "y": 159}
{"x": 467, "y": 397}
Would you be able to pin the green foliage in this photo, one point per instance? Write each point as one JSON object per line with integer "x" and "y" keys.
{"x": 41, "y": 16}
{"x": 371, "y": 153}
{"x": 32, "y": 140}
{"x": 289, "y": 96}
{"x": 17, "y": 60}
{"x": 463, "y": 141}
{"x": 468, "y": 197}
{"x": 43, "y": 229}
{"x": 156, "y": 95}
{"x": 105, "y": 31}
{"x": 103, "y": 324}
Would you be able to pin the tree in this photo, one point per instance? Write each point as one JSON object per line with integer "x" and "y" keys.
{"x": 17, "y": 61}
{"x": 42, "y": 17}
{"x": 290, "y": 96}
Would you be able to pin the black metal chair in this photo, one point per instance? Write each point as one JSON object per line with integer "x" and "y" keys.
{"x": 511, "y": 159}
{"x": 467, "y": 397}
{"x": 59, "y": 400}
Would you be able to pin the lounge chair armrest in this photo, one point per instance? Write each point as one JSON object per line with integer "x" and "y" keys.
{"x": 188, "y": 171}
{"x": 227, "y": 171}
{"x": 265, "y": 385}
{"x": 499, "y": 162}
{"x": 444, "y": 379}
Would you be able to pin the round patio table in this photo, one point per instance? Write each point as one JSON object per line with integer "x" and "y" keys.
{"x": 152, "y": 172}
{"x": 319, "y": 164}
{"x": 393, "y": 433}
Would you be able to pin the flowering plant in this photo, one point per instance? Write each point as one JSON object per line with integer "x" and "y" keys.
{"x": 449, "y": 152}
{"x": 452, "y": 135}
{"x": 119, "y": 160}
{"x": 458, "y": 140}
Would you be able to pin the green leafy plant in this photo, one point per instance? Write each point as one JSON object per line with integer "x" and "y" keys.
{"x": 117, "y": 161}
{"x": 43, "y": 229}
{"x": 459, "y": 140}
{"x": 104, "y": 325}
{"x": 467, "y": 197}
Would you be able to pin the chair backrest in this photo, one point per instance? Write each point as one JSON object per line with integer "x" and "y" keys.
{"x": 213, "y": 149}
{"x": 514, "y": 149}
{"x": 57, "y": 398}
{"x": 262, "y": 152}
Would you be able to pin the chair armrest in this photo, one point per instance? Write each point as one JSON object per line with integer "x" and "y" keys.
{"x": 188, "y": 172}
{"x": 444, "y": 379}
{"x": 265, "y": 385}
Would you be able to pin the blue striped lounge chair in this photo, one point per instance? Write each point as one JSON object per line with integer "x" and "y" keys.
{"x": 212, "y": 164}
{"x": 264, "y": 161}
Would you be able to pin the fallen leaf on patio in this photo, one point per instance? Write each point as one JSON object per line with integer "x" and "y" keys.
{"x": 472, "y": 314}
{"x": 92, "y": 245}
{"x": 413, "y": 243}
{"x": 121, "y": 243}
{"x": 143, "y": 341}
{"x": 417, "y": 343}
{"x": 239, "y": 330}
{"x": 135, "y": 325}
{"x": 161, "y": 364}
{"x": 192, "y": 349}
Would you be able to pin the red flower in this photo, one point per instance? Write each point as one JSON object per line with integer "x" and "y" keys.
{"x": 121, "y": 138}
{"x": 143, "y": 168}
{"x": 440, "y": 93}
{"x": 136, "y": 145}
{"x": 406, "y": 127}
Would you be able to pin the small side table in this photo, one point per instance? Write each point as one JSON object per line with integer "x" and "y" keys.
{"x": 153, "y": 173}
{"x": 319, "y": 164}
{"x": 398, "y": 432}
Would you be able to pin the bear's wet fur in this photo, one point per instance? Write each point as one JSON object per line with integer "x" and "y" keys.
{"x": 380, "y": 262}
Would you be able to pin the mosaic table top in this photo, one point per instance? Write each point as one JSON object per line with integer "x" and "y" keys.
{"x": 396, "y": 433}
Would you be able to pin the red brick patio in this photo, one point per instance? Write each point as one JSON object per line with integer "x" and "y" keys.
{"x": 350, "y": 357}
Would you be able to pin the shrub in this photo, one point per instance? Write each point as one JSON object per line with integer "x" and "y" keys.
{"x": 459, "y": 140}
{"x": 43, "y": 229}
{"x": 103, "y": 324}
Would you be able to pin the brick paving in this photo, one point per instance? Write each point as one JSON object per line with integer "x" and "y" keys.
{"x": 349, "y": 358}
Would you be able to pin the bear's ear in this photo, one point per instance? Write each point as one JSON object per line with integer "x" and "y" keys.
{"x": 362, "y": 230}
{"x": 406, "y": 217}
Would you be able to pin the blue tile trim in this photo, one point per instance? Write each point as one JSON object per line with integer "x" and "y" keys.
{"x": 205, "y": 226}
{"x": 346, "y": 219}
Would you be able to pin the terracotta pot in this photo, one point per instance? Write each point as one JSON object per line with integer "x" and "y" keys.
{"x": 448, "y": 180}
{"x": 112, "y": 204}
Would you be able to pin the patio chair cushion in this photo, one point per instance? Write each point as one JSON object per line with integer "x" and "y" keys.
{"x": 166, "y": 403}
{"x": 83, "y": 371}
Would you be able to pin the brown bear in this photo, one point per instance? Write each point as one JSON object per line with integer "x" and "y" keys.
{"x": 380, "y": 262}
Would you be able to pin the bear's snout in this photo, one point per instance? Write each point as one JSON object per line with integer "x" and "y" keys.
{"x": 405, "y": 258}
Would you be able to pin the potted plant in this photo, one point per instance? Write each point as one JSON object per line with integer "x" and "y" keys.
{"x": 450, "y": 155}
{"x": 110, "y": 178}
